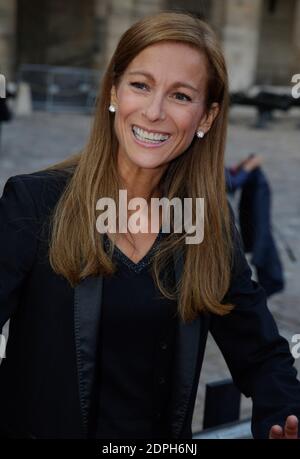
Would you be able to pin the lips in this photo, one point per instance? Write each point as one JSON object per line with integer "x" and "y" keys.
{"x": 152, "y": 137}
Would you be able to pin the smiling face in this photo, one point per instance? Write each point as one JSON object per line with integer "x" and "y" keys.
{"x": 160, "y": 104}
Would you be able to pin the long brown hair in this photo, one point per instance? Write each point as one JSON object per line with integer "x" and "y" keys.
{"x": 76, "y": 250}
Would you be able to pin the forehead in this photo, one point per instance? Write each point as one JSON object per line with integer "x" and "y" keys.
{"x": 171, "y": 61}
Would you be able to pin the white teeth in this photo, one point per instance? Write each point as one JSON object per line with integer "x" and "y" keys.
{"x": 145, "y": 135}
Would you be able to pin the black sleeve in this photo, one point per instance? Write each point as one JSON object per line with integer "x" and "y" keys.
{"x": 18, "y": 243}
{"x": 258, "y": 358}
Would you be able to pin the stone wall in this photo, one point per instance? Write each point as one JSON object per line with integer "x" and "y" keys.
{"x": 121, "y": 14}
{"x": 276, "y": 53}
{"x": 31, "y": 32}
{"x": 259, "y": 46}
{"x": 55, "y": 32}
{"x": 7, "y": 37}
{"x": 240, "y": 36}
{"x": 295, "y": 68}
{"x": 201, "y": 8}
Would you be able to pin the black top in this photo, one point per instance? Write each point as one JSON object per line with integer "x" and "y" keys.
{"x": 135, "y": 352}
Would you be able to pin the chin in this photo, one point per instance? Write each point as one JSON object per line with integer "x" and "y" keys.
{"x": 149, "y": 163}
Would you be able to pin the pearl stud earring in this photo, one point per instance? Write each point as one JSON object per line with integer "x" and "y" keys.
{"x": 112, "y": 108}
{"x": 200, "y": 134}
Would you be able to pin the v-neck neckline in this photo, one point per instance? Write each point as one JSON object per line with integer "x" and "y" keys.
{"x": 143, "y": 262}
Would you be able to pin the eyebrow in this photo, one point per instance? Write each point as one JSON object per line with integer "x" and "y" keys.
{"x": 176, "y": 85}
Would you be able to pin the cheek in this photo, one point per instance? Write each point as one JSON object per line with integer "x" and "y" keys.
{"x": 127, "y": 103}
{"x": 187, "y": 121}
{"x": 126, "y": 106}
{"x": 187, "y": 125}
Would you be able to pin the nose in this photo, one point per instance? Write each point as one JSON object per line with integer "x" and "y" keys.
{"x": 154, "y": 108}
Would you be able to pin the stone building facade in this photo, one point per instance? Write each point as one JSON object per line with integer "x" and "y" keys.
{"x": 261, "y": 38}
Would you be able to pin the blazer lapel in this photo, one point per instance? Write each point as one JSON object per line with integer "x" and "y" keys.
{"x": 87, "y": 308}
{"x": 186, "y": 353}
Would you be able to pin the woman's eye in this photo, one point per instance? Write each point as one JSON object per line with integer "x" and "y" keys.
{"x": 138, "y": 85}
{"x": 182, "y": 97}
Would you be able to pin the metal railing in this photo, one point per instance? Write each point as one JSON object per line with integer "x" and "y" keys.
{"x": 234, "y": 431}
{"x": 61, "y": 89}
{"x": 222, "y": 412}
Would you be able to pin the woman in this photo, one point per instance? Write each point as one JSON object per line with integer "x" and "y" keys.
{"x": 107, "y": 332}
{"x": 254, "y": 209}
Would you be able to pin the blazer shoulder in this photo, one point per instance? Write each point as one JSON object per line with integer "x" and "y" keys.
{"x": 44, "y": 187}
{"x": 40, "y": 179}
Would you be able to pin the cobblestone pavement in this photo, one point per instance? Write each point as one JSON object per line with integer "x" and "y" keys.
{"x": 29, "y": 144}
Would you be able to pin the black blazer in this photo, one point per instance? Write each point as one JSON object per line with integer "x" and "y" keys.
{"x": 47, "y": 376}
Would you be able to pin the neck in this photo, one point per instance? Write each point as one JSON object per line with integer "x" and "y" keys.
{"x": 141, "y": 182}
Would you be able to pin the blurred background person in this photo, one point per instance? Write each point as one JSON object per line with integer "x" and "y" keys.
{"x": 255, "y": 220}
